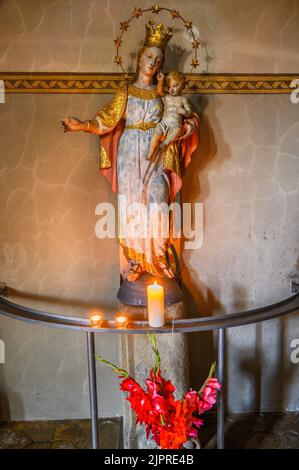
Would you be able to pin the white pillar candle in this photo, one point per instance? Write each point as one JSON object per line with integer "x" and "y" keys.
{"x": 155, "y": 305}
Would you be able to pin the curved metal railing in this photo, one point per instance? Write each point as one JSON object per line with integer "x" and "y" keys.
{"x": 186, "y": 325}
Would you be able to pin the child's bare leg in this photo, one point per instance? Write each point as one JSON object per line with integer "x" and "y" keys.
{"x": 153, "y": 145}
{"x": 172, "y": 135}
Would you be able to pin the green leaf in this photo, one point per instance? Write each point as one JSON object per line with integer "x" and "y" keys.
{"x": 151, "y": 337}
{"x": 116, "y": 369}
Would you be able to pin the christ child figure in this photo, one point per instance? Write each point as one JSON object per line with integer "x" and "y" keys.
{"x": 176, "y": 107}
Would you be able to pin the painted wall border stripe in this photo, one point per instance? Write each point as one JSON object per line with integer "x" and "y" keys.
{"x": 106, "y": 83}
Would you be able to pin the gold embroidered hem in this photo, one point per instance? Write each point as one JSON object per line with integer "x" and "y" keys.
{"x": 142, "y": 93}
{"x": 104, "y": 159}
{"x": 141, "y": 126}
{"x": 171, "y": 158}
{"x": 109, "y": 116}
{"x": 113, "y": 111}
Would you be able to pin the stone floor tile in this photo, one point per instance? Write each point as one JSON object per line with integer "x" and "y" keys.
{"x": 243, "y": 431}
{"x": 63, "y": 445}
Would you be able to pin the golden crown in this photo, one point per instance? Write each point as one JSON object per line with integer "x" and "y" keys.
{"x": 156, "y": 36}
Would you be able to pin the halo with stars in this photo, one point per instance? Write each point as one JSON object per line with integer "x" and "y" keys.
{"x": 156, "y": 9}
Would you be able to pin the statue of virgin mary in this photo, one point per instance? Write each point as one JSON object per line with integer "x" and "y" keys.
{"x": 125, "y": 126}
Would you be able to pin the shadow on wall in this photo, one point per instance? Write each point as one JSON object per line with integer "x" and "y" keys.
{"x": 268, "y": 380}
{"x": 270, "y": 385}
{"x": 202, "y": 352}
{"x": 207, "y": 151}
{"x": 200, "y": 299}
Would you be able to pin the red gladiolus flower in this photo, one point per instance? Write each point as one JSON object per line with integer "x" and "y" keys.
{"x": 129, "y": 385}
{"x": 170, "y": 422}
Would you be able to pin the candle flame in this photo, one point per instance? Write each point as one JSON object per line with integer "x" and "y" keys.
{"x": 95, "y": 314}
{"x": 96, "y": 317}
{"x": 121, "y": 319}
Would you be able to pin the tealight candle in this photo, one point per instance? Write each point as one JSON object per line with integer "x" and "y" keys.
{"x": 155, "y": 305}
{"x": 121, "y": 321}
{"x": 96, "y": 321}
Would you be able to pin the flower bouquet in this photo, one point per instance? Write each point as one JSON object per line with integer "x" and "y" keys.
{"x": 169, "y": 422}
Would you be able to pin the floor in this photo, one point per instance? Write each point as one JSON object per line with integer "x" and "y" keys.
{"x": 242, "y": 431}
{"x": 256, "y": 431}
{"x": 74, "y": 434}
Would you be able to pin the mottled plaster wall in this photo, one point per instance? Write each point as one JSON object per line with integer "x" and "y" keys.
{"x": 245, "y": 173}
{"x": 77, "y": 36}
{"x": 50, "y": 186}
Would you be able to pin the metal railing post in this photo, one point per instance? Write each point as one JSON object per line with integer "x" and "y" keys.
{"x": 92, "y": 381}
{"x": 221, "y": 396}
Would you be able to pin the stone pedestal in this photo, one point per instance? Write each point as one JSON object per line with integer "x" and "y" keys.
{"x": 137, "y": 358}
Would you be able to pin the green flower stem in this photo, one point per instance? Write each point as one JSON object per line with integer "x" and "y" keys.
{"x": 151, "y": 337}
{"x": 122, "y": 372}
{"x": 211, "y": 373}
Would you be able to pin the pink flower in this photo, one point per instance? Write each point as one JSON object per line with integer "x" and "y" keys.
{"x": 213, "y": 383}
{"x": 203, "y": 406}
{"x": 193, "y": 432}
{"x": 209, "y": 393}
{"x": 197, "y": 422}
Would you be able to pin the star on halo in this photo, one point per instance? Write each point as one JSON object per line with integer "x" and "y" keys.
{"x": 188, "y": 25}
{"x": 118, "y": 60}
{"x": 156, "y": 9}
{"x": 137, "y": 12}
{"x": 117, "y": 42}
{"x": 124, "y": 25}
{"x": 194, "y": 63}
{"x": 195, "y": 44}
{"x": 175, "y": 14}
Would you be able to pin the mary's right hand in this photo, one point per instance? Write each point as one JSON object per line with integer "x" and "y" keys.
{"x": 71, "y": 124}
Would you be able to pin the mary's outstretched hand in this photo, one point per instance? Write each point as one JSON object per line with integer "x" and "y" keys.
{"x": 71, "y": 124}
